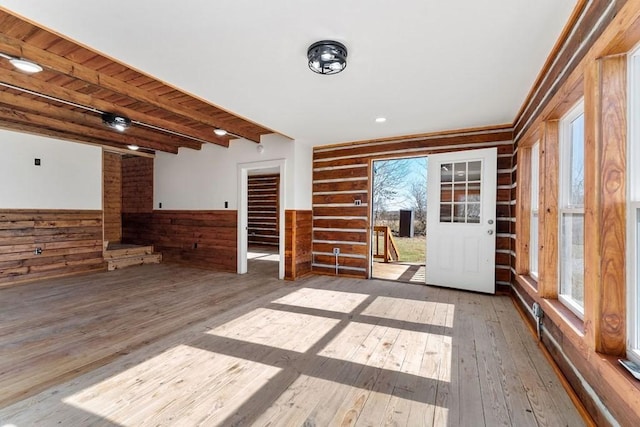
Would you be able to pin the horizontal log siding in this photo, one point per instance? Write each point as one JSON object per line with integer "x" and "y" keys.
{"x": 298, "y": 233}
{"x": 71, "y": 243}
{"x": 263, "y": 204}
{"x": 341, "y": 175}
{"x": 206, "y": 239}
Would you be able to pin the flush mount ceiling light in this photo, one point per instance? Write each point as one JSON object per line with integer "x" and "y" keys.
{"x": 381, "y": 120}
{"x": 23, "y": 65}
{"x": 133, "y": 147}
{"x": 327, "y": 57}
{"x": 114, "y": 121}
{"x": 220, "y": 132}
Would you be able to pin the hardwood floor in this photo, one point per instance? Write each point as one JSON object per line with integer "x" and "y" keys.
{"x": 168, "y": 345}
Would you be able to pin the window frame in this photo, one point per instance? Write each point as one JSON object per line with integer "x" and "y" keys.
{"x": 534, "y": 214}
{"x": 564, "y": 202}
{"x": 633, "y": 208}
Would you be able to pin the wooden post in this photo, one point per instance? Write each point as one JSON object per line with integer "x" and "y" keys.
{"x": 605, "y": 214}
{"x": 548, "y": 211}
{"x": 523, "y": 197}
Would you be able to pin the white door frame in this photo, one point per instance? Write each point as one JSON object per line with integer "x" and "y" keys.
{"x": 243, "y": 210}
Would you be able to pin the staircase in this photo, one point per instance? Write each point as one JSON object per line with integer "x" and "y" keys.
{"x": 120, "y": 256}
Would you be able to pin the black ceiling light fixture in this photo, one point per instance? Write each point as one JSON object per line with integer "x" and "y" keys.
{"x": 115, "y": 121}
{"x": 327, "y": 57}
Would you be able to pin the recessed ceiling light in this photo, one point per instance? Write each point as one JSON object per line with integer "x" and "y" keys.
{"x": 25, "y": 66}
{"x": 220, "y": 132}
{"x": 133, "y": 147}
{"x": 381, "y": 120}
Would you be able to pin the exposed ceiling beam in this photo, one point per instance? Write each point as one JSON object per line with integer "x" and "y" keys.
{"x": 31, "y": 83}
{"x": 64, "y": 66}
{"x": 35, "y": 130}
{"x": 46, "y": 109}
{"x": 38, "y": 120}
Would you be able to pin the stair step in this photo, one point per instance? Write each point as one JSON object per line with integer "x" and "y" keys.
{"x": 127, "y": 252}
{"x": 128, "y": 261}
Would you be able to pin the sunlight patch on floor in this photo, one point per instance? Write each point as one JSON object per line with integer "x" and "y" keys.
{"x": 342, "y": 302}
{"x": 409, "y": 310}
{"x": 276, "y": 328}
{"x": 188, "y": 384}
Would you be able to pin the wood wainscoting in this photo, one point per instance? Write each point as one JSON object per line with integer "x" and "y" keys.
{"x": 70, "y": 242}
{"x": 297, "y": 249}
{"x": 206, "y": 239}
{"x": 341, "y": 175}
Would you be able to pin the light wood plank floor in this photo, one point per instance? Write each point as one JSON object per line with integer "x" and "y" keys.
{"x": 168, "y": 345}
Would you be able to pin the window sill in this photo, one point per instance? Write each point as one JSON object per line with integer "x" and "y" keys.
{"x": 528, "y": 282}
{"x": 562, "y": 315}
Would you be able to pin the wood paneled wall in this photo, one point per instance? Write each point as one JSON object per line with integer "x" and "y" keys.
{"x": 112, "y": 196}
{"x": 71, "y": 242}
{"x": 298, "y": 234}
{"x": 206, "y": 239}
{"x": 263, "y": 205}
{"x": 586, "y": 350}
{"x": 341, "y": 175}
{"x": 137, "y": 184}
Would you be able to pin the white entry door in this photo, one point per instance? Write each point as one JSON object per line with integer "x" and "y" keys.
{"x": 461, "y": 223}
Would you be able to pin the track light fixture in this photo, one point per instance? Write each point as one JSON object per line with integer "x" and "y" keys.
{"x": 117, "y": 122}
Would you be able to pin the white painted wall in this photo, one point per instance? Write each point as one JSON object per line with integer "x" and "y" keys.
{"x": 303, "y": 170}
{"x": 205, "y": 179}
{"x": 70, "y": 175}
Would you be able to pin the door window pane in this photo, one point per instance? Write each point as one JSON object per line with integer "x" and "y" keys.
{"x": 460, "y": 185}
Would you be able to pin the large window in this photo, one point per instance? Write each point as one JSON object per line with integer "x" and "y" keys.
{"x": 633, "y": 214}
{"x": 571, "y": 210}
{"x": 535, "y": 189}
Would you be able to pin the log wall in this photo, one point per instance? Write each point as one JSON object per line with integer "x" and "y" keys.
{"x": 593, "y": 62}
{"x": 263, "y": 205}
{"x": 298, "y": 234}
{"x": 112, "y": 196}
{"x": 137, "y": 184}
{"x": 70, "y": 240}
{"x": 342, "y": 174}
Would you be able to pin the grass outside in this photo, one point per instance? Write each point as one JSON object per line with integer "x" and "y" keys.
{"x": 411, "y": 249}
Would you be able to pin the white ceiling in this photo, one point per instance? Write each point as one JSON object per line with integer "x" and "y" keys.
{"x": 425, "y": 65}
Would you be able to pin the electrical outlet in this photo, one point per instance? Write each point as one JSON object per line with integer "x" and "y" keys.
{"x": 37, "y": 251}
{"x": 537, "y": 310}
{"x": 226, "y": 205}
{"x": 195, "y": 245}
{"x": 357, "y": 202}
{"x": 336, "y": 251}
{"x": 160, "y": 205}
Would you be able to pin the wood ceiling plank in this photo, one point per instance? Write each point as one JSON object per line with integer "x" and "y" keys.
{"x": 86, "y": 73}
{"x": 63, "y": 47}
{"x": 29, "y": 83}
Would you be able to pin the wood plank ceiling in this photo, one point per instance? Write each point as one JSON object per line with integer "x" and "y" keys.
{"x": 67, "y": 99}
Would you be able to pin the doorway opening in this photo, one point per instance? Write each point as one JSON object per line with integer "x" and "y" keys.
{"x": 261, "y": 201}
{"x": 399, "y": 219}
{"x": 263, "y": 234}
